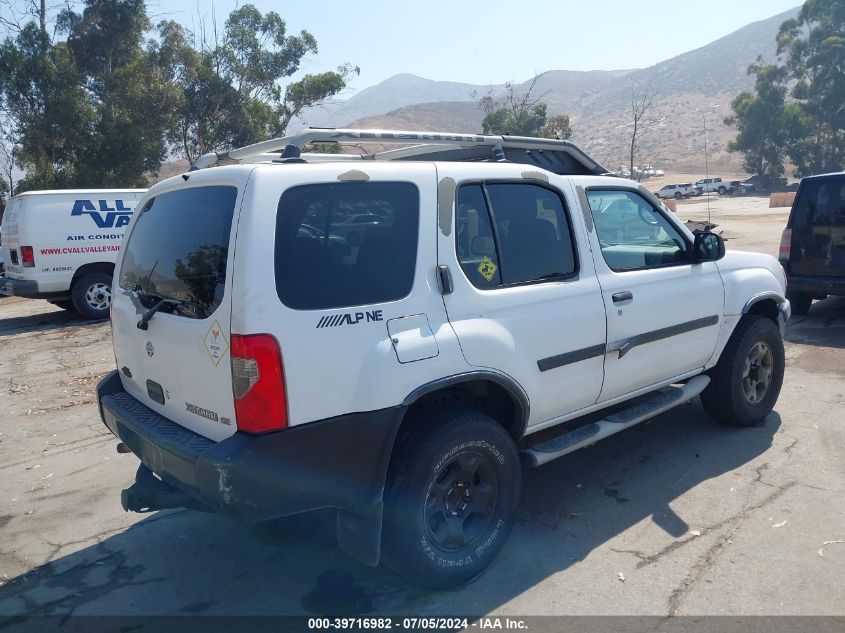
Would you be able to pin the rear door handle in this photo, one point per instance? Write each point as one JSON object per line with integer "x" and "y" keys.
{"x": 619, "y": 297}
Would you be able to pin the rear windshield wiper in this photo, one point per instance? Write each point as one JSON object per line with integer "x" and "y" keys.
{"x": 161, "y": 302}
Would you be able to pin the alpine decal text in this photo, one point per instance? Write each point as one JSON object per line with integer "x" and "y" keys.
{"x": 350, "y": 318}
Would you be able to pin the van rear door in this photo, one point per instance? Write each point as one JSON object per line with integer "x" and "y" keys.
{"x": 9, "y": 238}
{"x": 818, "y": 228}
{"x": 176, "y": 269}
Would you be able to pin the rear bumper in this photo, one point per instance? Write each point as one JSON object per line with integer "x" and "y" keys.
{"x": 815, "y": 285}
{"x": 336, "y": 463}
{"x": 19, "y": 287}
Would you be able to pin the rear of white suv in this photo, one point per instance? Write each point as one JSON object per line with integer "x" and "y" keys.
{"x": 231, "y": 284}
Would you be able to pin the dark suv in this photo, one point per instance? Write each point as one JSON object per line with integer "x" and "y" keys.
{"x": 812, "y": 249}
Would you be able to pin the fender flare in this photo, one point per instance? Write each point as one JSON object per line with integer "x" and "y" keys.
{"x": 511, "y": 386}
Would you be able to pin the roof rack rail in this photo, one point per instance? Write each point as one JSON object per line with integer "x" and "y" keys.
{"x": 561, "y": 157}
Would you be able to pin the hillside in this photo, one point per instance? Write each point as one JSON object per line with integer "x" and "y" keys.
{"x": 692, "y": 89}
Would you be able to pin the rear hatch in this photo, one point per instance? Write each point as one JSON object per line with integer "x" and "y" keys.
{"x": 818, "y": 228}
{"x": 9, "y": 242}
{"x": 177, "y": 258}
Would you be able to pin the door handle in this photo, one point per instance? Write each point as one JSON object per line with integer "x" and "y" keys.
{"x": 619, "y": 297}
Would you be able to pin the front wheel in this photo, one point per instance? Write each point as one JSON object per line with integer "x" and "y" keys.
{"x": 745, "y": 383}
{"x": 451, "y": 498}
{"x": 722, "y": 191}
{"x": 91, "y": 295}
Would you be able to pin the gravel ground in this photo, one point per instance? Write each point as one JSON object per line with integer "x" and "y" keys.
{"x": 675, "y": 516}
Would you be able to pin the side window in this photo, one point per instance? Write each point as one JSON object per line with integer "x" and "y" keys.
{"x": 475, "y": 241}
{"x": 632, "y": 233}
{"x": 522, "y": 236}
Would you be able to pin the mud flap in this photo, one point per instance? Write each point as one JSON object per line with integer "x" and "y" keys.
{"x": 360, "y": 536}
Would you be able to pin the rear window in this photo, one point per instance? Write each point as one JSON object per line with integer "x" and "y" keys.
{"x": 346, "y": 244}
{"x": 178, "y": 249}
{"x": 821, "y": 202}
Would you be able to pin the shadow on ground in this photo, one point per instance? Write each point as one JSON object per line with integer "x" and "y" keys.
{"x": 41, "y": 322}
{"x": 822, "y": 326}
{"x": 183, "y": 562}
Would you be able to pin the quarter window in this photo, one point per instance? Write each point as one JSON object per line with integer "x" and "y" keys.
{"x": 632, "y": 233}
{"x": 346, "y": 244}
{"x": 512, "y": 233}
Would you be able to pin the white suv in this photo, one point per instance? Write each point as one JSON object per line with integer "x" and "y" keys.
{"x": 676, "y": 191}
{"x": 268, "y": 366}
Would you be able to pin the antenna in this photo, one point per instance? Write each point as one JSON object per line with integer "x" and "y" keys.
{"x": 706, "y": 166}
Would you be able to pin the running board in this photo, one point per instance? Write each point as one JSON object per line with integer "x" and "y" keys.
{"x": 662, "y": 400}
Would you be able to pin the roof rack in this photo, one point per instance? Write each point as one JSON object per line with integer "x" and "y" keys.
{"x": 560, "y": 157}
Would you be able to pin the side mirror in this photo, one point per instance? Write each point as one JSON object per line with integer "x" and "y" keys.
{"x": 708, "y": 247}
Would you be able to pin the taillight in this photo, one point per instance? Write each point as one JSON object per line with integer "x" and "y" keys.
{"x": 27, "y": 257}
{"x": 258, "y": 383}
{"x": 785, "y": 249}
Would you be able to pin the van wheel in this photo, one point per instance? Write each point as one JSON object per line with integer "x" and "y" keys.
{"x": 678, "y": 195}
{"x": 451, "y": 498}
{"x": 800, "y": 302}
{"x": 91, "y": 295}
{"x": 722, "y": 191}
{"x": 745, "y": 383}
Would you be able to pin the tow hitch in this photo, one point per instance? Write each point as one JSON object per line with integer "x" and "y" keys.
{"x": 149, "y": 493}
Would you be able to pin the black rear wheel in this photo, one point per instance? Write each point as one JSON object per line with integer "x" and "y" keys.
{"x": 678, "y": 195}
{"x": 451, "y": 498}
{"x": 800, "y": 301}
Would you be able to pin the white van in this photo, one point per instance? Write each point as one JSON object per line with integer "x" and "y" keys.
{"x": 61, "y": 246}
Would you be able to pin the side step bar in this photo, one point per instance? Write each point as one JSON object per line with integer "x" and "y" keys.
{"x": 662, "y": 400}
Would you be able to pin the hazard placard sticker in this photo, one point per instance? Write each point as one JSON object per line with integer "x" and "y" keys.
{"x": 487, "y": 268}
{"x": 215, "y": 342}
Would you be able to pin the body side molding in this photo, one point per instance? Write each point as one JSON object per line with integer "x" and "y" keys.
{"x": 625, "y": 346}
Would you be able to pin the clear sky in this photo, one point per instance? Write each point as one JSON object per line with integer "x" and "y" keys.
{"x": 492, "y": 41}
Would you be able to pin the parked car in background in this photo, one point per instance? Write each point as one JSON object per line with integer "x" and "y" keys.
{"x": 676, "y": 191}
{"x": 712, "y": 185}
{"x": 812, "y": 248}
{"x": 741, "y": 188}
{"x": 61, "y": 246}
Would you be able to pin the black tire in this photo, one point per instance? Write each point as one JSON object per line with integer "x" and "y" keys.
{"x": 678, "y": 195}
{"x": 721, "y": 191}
{"x": 425, "y": 492}
{"x": 64, "y": 304}
{"x": 91, "y": 295}
{"x": 727, "y": 396}
{"x": 800, "y": 302}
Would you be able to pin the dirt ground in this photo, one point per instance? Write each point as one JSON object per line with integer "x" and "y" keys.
{"x": 676, "y": 516}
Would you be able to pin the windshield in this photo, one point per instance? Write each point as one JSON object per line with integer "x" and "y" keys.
{"x": 178, "y": 249}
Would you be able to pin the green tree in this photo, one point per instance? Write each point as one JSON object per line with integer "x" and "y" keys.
{"x": 814, "y": 44}
{"x": 521, "y": 114}
{"x": 232, "y": 90}
{"x": 761, "y": 118}
{"x": 48, "y": 112}
{"x": 132, "y": 83}
{"x": 798, "y": 108}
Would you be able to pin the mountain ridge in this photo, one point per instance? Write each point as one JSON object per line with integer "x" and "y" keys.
{"x": 693, "y": 91}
